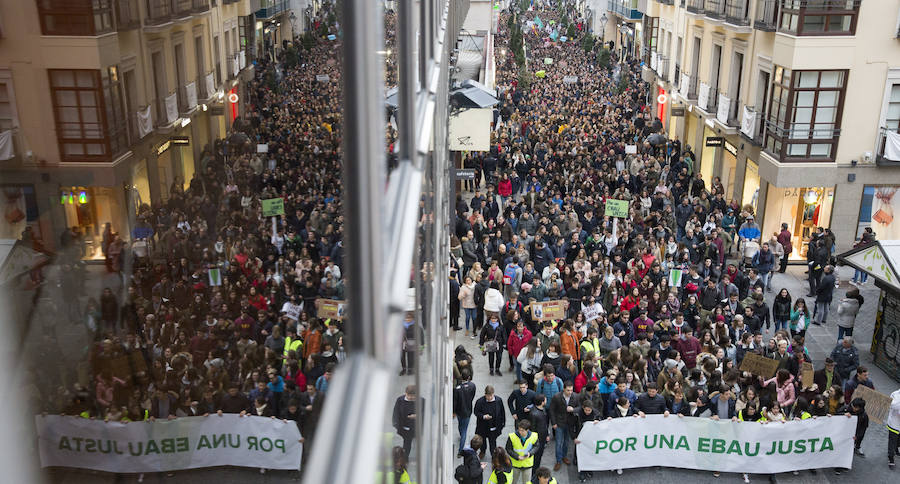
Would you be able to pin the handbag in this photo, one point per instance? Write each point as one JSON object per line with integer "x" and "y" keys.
{"x": 492, "y": 346}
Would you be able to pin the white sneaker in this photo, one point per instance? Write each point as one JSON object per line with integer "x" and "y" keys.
{"x": 619, "y": 471}
{"x": 141, "y": 478}
{"x": 746, "y": 477}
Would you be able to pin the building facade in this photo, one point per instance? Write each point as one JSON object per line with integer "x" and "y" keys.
{"x": 110, "y": 103}
{"x": 786, "y": 102}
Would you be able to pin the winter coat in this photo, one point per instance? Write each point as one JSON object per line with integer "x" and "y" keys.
{"x": 494, "y": 426}
{"x": 493, "y": 300}
{"x": 467, "y": 296}
{"x": 785, "y": 393}
{"x": 847, "y": 312}
{"x": 781, "y": 308}
{"x": 516, "y": 342}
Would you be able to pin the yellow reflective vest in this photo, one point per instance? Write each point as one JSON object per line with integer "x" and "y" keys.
{"x": 523, "y": 448}
{"x": 493, "y": 478}
{"x": 590, "y": 345}
{"x": 292, "y": 345}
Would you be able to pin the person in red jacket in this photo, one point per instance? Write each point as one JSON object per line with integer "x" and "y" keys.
{"x": 688, "y": 346}
{"x": 504, "y": 189}
{"x": 514, "y": 344}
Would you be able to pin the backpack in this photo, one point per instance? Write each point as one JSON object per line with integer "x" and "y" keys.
{"x": 509, "y": 274}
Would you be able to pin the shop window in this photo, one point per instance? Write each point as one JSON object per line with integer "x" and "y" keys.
{"x": 83, "y": 119}
{"x": 819, "y": 17}
{"x": 805, "y": 114}
{"x": 75, "y": 17}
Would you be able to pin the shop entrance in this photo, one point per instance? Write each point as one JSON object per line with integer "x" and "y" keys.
{"x": 803, "y": 209}
{"x": 90, "y": 209}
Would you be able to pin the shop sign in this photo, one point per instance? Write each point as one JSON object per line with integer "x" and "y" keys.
{"x": 163, "y": 147}
{"x": 217, "y": 110}
{"x": 465, "y": 174}
{"x": 715, "y": 141}
{"x": 180, "y": 140}
{"x": 677, "y": 111}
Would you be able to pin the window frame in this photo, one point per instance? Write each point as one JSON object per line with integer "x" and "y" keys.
{"x": 779, "y": 128}
{"x": 103, "y": 120}
{"x": 86, "y": 10}
{"x": 827, "y": 9}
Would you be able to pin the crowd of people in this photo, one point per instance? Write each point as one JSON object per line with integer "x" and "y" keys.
{"x": 661, "y": 306}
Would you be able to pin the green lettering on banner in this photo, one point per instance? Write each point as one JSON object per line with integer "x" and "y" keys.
{"x": 65, "y": 445}
{"x": 168, "y": 446}
{"x": 630, "y": 443}
{"x": 265, "y": 444}
{"x": 181, "y": 444}
{"x": 667, "y": 441}
{"x": 647, "y": 444}
{"x": 734, "y": 447}
{"x": 718, "y": 446}
{"x": 203, "y": 443}
{"x": 703, "y": 444}
{"x": 601, "y": 445}
{"x": 616, "y": 208}
{"x": 90, "y": 445}
{"x": 279, "y": 444}
{"x": 140, "y": 449}
{"x": 682, "y": 443}
{"x": 812, "y": 444}
{"x": 251, "y": 443}
{"x": 799, "y": 446}
{"x": 748, "y": 446}
{"x": 616, "y": 446}
{"x": 77, "y": 443}
{"x": 151, "y": 447}
{"x": 826, "y": 444}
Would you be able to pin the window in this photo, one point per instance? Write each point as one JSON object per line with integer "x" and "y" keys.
{"x": 805, "y": 113}
{"x": 819, "y": 17}
{"x": 892, "y": 120}
{"x": 8, "y": 117}
{"x": 83, "y": 120}
{"x": 75, "y": 17}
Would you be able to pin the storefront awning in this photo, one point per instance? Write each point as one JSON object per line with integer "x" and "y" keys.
{"x": 880, "y": 260}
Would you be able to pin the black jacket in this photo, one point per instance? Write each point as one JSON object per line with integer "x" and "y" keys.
{"x": 650, "y": 406}
{"x": 469, "y": 472}
{"x": 463, "y": 396}
{"x": 518, "y": 401}
{"x": 825, "y": 289}
{"x": 403, "y": 408}
{"x": 540, "y": 422}
{"x": 494, "y": 426}
{"x": 558, "y": 412}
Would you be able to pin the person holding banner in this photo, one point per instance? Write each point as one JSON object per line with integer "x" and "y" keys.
{"x": 893, "y": 427}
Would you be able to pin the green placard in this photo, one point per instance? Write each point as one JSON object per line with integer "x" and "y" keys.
{"x": 616, "y": 208}
{"x": 273, "y": 207}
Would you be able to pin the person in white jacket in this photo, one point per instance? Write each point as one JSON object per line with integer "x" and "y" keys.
{"x": 893, "y": 426}
{"x": 493, "y": 299}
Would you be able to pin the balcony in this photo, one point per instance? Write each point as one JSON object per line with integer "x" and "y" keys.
{"x": 676, "y": 79}
{"x": 695, "y": 6}
{"x": 751, "y": 127}
{"x": 627, "y": 9}
{"x": 200, "y": 6}
{"x": 128, "y": 15}
{"x": 688, "y": 86}
{"x": 766, "y": 15}
{"x": 187, "y": 99}
{"x": 158, "y": 12}
{"x": 737, "y": 12}
{"x": 886, "y": 160}
{"x": 714, "y": 9}
{"x": 663, "y": 68}
{"x": 727, "y": 112}
{"x": 182, "y": 8}
{"x": 207, "y": 86}
{"x": 271, "y": 8}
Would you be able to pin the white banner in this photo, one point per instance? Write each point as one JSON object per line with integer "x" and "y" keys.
{"x": 168, "y": 445}
{"x": 171, "y": 108}
{"x": 144, "y": 122}
{"x": 710, "y": 445}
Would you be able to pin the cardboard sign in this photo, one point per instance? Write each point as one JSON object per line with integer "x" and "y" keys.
{"x": 591, "y": 312}
{"x": 616, "y": 208}
{"x": 759, "y": 365}
{"x": 330, "y": 309}
{"x": 807, "y": 374}
{"x": 878, "y": 405}
{"x": 569, "y": 79}
{"x": 630, "y": 149}
{"x": 273, "y": 207}
{"x": 546, "y": 310}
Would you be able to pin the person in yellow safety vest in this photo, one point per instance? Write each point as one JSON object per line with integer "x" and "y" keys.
{"x": 542, "y": 476}
{"x": 750, "y": 414}
{"x": 502, "y": 472}
{"x": 521, "y": 445}
{"x": 801, "y": 409}
{"x": 401, "y": 475}
{"x": 590, "y": 343}
{"x": 292, "y": 343}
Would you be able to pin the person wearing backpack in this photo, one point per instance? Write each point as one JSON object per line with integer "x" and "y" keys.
{"x": 512, "y": 278}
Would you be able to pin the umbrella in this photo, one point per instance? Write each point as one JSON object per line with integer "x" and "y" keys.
{"x": 656, "y": 139}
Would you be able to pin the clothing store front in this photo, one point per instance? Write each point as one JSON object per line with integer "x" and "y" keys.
{"x": 803, "y": 208}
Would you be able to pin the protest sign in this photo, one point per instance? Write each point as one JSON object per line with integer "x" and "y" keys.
{"x": 262, "y": 148}
{"x": 330, "y": 309}
{"x": 548, "y": 61}
{"x": 591, "y": 312}
{"x": 273, "y": 207}
{"x": 546, "y": 310}
{"x": 215, "y": 277}
{"x": 759, "y": 365}
{"x": 291, "y": 310}
{"x": 878, "y": 405}
{"x": 569, "y": 79}
{"x": 807, "y": 375}
{"x": 168, "y": 445}
{"x": 616, "y": 208}
{"x": 709, "y": 445}
{"x": 675, "y": 277}
{"x": 541, "y": 74}
{"x": 323, "y": 77}
{"x": 630, "y": 149}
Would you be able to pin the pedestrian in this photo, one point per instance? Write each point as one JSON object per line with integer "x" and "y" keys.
{"x": 784, "y": 238}
{"x": 846, "y": 357}
{"x": 781, "y": 309}
{"x": 404, "y": 418}
{"x": 824, "y": 293}
{"x": 491, "y": 342}
{"x": 799, "y": 318}
{"x": 562, "y": 414}
{"x": 893, "y": 427}
{"x": 847, "y": 311}
{"x": 521, "y": 446}
{"x": 471, "y": 469}
{"x": 490, "y": 419}
{"x": 463, "y": 398}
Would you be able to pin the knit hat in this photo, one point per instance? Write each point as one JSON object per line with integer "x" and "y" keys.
{"x": 670, "y": 363}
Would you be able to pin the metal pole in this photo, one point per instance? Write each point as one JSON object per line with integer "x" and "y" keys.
{"x": 406, "y": 93}
{"x": 364, "y": 175}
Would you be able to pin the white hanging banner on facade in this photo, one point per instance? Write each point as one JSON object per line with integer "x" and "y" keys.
{"x": 210, "y": 85}
{"x": 724, "y": 446}
{"x": 703, "y": 96}
{"x": 190, "y": 91}
{"x": 892, "y": 146}
{"x": 168, "y": 445}
{"x": 6, "y": 145}
{"x": 748, "y": 122}
{"x": 144, "y": 122}
{"x": 171, "y": 108}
